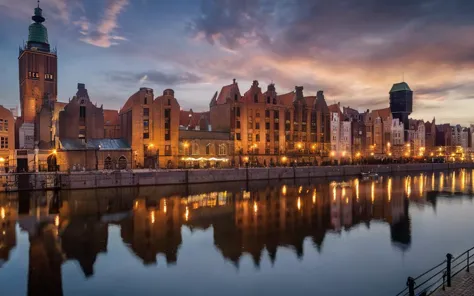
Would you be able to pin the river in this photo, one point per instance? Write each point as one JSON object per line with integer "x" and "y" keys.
{"x": 301, "y": 237}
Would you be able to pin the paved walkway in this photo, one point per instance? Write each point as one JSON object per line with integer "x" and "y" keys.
{"x": 461, "y": 285}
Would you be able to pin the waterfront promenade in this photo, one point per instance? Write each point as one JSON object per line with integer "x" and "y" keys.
{"x": 130, "y": 178}
{"x": 462, "y": 285}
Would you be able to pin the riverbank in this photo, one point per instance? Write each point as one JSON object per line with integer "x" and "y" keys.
{"x": 108, "y": 179}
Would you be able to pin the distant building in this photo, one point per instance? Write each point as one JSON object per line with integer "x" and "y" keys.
{"x": 401, "y": 103}
{"x": 206, "y": 149}
{"x": 358, "y": 131}
{"x": 378, "y": 132}
{"x": 340, "y": 133}
{"x": 199, "y": 121}
{"x": 151, "y": 127}
{"x": 417, "y": 137}
{"x": 37, "y": 78}
{"x": 7, "y": 139}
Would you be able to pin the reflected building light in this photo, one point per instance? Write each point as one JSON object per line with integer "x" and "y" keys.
{"x": 314, "y": 196}
{"x": 135, "y": 206}
{"x": 283, "y": 190}
{"x": 441, "y": 181}
{"x": 463, "y": 179}
{"x": 164, "y": 206}
{"x": 152, "y": 217}
{"x": 347, "y": 200}
{"x": 298, "y": 203}
{"x": 357, "y": 188}
{"x": 2, "y": 213}
{"x": 389, "y": 189}
{"x": 372, "y": 191}
{"x": 255, "y": 207}
{"x": 300, "y": 189}
{"x": 343, "y": 192}
{"x": 453, "y": 182}
{"x": 472, "y": 180}
{"x": 334, "y": 193}
{"x": 246, "y": 195}
{"x": 408, "y": 186}
{"x": 420, "y": 186}
{"x": 432, "y": 181}
{"x": 186, "y": 214}
{"x": 56, "y": 220}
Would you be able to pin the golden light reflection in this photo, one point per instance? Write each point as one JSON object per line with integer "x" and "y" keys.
{"x": 314, "y": 196}
{"x": 334, "y": 193}
{"x": 283, "y": 190}
{"x": 453, "y": 182}
{"x": 56, "y": 220}
{"x": 300, "y": 189}
{"x": 164, "y": 206}
{"x": 152, "y": 217}
{"x": 408, "y": 186}
{"x": 432, "y": 182}
{"x": 389, "y": 189}
{"x": 186, "y": 214}
{"x": 298, "y": 203}
{"x": 343, "y": 192}
{"x": 2, "y": 213}
{"x": 463, "y": 179}
{"x": 420, "y": 185}
{"x": 372, "y": 191}
{"x": 255, "y": 207}
{"x": 347, "y": 200}
{"x": 357, "y": 188}
{"x": 441, "y": 181}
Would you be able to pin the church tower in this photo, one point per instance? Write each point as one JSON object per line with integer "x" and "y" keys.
{"x": 37, "y": 77}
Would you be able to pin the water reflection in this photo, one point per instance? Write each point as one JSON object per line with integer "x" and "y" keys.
{"x": 254, "y": 219}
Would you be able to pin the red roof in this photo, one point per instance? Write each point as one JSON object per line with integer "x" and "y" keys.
{"x": 226, "y": 92}
{"x": 190, "y": 119}
{"x": 286, "y": 99}
{"x": 383, "y": 113}
{"x": 310, "y": 100}
{"x": 111, "y": 117}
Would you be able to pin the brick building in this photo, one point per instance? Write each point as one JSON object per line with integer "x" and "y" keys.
{"x": 151, "y": 127}
{"x": 268, "y": 127}
{"x": 199, "y": 148}
{"x": 7, "y": 139}
{"x": 341, "y": 130}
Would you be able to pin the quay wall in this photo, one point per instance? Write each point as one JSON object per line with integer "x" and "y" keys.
{"x": 110, "y": 179}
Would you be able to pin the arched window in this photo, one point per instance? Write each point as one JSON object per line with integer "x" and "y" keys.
{"x": 108, "y": 163}
{"x": 222, "y": 149}
{"x": 208, "y": 149}
{"x": 255, "y": 98}
{"x": 274, "y": 101}
{"x": 122, "y": 163}
{"x": 52, "y": 163}
{"x": 195, "y": 148}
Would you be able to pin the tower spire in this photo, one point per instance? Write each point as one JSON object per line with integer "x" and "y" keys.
{"x": 38, "y": 3}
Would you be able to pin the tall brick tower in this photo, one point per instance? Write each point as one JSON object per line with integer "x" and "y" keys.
{"x": 37, "y": 77}
{"x": 401, "y": 104}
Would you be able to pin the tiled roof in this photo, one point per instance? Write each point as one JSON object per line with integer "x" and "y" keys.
{"x": 226, "y": 92}
{"x": 286, "y": 99}
{"x": 93, "y": 144}
{"x": 190, "y": 119}
{"x": 111, "y": 117}
{"x": 383, "y": 113}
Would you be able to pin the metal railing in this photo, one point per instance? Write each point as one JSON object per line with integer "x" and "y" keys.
{"x": 439, "y": 276}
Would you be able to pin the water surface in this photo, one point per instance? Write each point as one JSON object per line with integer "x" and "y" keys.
{"x": 301, "y": 237}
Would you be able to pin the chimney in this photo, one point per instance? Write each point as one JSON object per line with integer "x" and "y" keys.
{"x": 233, "y": 81}
{"x": 255, "y": 83}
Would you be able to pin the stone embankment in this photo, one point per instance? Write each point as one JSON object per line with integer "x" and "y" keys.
{"x": 107, "y": 179}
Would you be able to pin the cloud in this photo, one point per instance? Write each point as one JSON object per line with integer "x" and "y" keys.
{"x": 155, "y": 77}
{"x": 231, "y": 24}
{"x": 103, "y": 34}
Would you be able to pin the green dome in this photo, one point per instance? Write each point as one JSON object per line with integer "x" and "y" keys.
{"x": 37, "y": 33}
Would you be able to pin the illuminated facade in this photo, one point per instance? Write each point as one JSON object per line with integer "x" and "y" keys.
{"x": 340, "y": 133}
{"x": 266, "y": 126}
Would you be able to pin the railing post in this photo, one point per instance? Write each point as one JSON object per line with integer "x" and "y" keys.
{"x": 411, "y": 286}
{"x": 449, "y": 257}
{"x": 467, "y": 261}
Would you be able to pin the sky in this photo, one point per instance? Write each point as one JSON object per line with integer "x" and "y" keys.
{"x": 353, "y": 50}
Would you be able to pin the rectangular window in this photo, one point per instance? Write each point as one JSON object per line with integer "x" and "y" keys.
{"x": 267, "y": 125}
{"x": 257, "y": 115}
{"x": 82, "y": 111}
{"x": 237, "y": 111}
{"x": 237, "y": 136}
{"x": 237, "y": 124}
{"x": 267, "y": 113}
{"x": 1, "y": 124}
{"x": 167, "y": 135}
{"x": 257, "y": 125}
{"x": 49, "y": 77}
{"x": 257, "y": 138}
{"x": 168, "y": 150}
{"x": 146, "y": 135}
{"x": 267, "y": 137}
{"x": 276, "y": 114}
{"x": 146, "y": 111}
{"x": 250, "y": 137}
{"x": 5, "y": 125}
{"x": 276, "y": 126}
{"x": 4, "y": 142}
